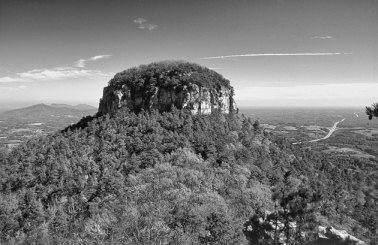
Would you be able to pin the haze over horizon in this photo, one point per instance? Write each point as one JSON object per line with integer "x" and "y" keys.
{"x": 274, "y": 52}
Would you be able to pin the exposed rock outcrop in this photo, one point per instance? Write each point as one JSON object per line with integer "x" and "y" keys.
{"x": 262, "y": 229}
{"x": 163, "y": 85}
{"x": 330, "y": 235}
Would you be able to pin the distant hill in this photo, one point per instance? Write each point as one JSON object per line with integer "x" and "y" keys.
{"x": 42, "y": 110}
{"x": 3, "y": 110}
{"x": 77, "y": 107}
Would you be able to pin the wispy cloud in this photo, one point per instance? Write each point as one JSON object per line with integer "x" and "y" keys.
{"x": 144, "y": 24}
{"x": 326, "y": 37}
{"x": 58, "y": 73}
{"x": 270, "y": 54}
{"x": 216, "y": 68}
{"x": 12, "y": 88}
{"x": 11, "y": 79}
{"x": 81, "y": 62}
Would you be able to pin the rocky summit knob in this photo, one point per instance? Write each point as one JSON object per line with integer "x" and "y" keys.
{"x": 161, "y": 85}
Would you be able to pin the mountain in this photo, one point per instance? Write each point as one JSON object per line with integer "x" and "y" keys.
{"x": 135, "y": 176}
{"x": 161, "y": 85}
{"x": 42, "y": 110}
{"x": 77, "y": 107}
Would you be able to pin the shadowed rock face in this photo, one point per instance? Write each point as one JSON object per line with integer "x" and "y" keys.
{"x": 153, "y": 92}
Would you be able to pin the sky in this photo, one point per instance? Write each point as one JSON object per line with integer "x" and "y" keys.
{"x": 274, "y": 52}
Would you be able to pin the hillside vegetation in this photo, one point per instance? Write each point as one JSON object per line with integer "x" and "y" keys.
{"x": 168, "y": 74}
{"x": 179, "y": 178}
{"x": 176, "y": 178}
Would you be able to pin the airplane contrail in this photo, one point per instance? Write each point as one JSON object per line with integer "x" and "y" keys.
{"x": 271, "y": 54}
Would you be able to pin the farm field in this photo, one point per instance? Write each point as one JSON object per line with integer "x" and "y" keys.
{"x": 356, "y": 136}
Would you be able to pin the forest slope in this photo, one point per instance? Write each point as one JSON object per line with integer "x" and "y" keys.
{"x": 174, "y": 178}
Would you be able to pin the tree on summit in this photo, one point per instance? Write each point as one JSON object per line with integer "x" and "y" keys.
{"x": 256, "y": 125}
{"x": 372, "y": 111}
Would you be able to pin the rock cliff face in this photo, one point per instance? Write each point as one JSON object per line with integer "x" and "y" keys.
{"x": 184, "y": 85}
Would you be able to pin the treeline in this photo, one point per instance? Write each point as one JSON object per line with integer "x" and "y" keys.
{"x": 168, "y": 74}
{"x": 176, "y": 178}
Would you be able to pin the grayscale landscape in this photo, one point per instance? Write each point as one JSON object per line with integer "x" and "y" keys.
{"x": 217, "y": 122}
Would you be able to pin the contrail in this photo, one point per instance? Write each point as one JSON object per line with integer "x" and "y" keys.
{"x": 276, "y": 54}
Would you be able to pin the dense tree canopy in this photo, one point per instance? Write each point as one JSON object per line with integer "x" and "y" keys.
{"x": 168, "y": 74}
{"x": 176, "y": 178}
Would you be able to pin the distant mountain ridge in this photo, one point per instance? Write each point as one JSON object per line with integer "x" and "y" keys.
{"x": 77, "y": 107}
{"x": 42, "y": 110}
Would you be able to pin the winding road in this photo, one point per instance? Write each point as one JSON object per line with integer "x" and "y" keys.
{"x": 325, "y": 137}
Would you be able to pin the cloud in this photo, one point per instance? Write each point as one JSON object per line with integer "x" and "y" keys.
{"x": 12, "y": 88}
{"x": 10, "y": 79}
{"x": 143, "y": 24}
{"x": 81, "y": 62}
{"x": 58, "y": 73}
{"x": 100, "y": 57}
{"x": 326, "y": 37}
{"x": 215, "y": 68}
{"x": 140, "y": 21}
{"x": 270, "y": 54}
